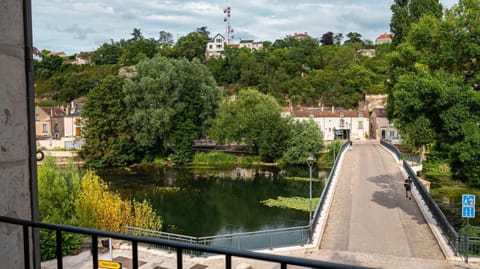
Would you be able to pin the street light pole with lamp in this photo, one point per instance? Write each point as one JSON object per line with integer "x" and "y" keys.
{"x": 310, "y": 162}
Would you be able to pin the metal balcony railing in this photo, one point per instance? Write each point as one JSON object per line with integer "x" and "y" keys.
{"x": 180, "y": 247}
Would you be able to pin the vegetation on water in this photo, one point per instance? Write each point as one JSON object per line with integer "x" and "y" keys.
{"x": 296, "y": 202}
{"x": 214, "y": 158}
{"x": 68, "y": 197}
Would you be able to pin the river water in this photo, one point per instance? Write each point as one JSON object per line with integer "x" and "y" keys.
{"x": 205, "y": 202}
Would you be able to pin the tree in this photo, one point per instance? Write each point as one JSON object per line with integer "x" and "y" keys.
{"x": 107, "y": 54}
{"x": 306, "y": 139}
{"x": 327, "y": 39}
{"x": 57, "y": 192}
{"x": 136, "y": 35}
{"x": 172, "y": 102}
{"x": 165, "y": 39}
{"x": 338, "y": 38}
{"x": 406, "y": 12}
{"x": 99, "y": 208}
{"x": 254, "y": 120}
{"x": 107, "y": 134}
{"x": 354, "y": 37}
{"x": 192, "y": 45}
{"x": 137, "y": 51}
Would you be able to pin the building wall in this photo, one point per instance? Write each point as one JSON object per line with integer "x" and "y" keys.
{"x": 328, "y": 124}
{"x": 18, "y": 189}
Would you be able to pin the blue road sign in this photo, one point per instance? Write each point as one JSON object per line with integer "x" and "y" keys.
{"x": 468, "y": 206}
{"x": 468, "y": 212}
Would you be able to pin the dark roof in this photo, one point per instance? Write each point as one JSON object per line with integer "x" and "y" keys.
{"x": 53, "y": 111}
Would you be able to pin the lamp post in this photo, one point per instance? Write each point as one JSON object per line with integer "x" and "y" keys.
{"x": 310, "y": 162}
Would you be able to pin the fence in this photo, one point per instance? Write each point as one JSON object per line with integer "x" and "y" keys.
{"x": 447, "y": 229}
{"x": 179, "y": 247}
{"x": 267, "y": 239}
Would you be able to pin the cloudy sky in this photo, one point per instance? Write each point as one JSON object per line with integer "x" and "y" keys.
{"x": 83, "y": 25}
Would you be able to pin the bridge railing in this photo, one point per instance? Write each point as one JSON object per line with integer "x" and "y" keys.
{"x": 447, "y": 229}
{"x": 179, "y": 247}
{"x": 323, "y": 196}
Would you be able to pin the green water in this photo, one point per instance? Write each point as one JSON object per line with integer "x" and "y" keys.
{"x": 205, "y": 202}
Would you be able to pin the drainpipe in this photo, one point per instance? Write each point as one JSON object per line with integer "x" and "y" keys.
{"x": 27, "y": 32}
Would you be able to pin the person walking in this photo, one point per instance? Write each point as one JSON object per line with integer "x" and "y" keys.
{"x": 350, "y": 143}
{"x": 408, "y": 188}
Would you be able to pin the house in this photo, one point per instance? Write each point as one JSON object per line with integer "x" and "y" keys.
{"x": 301, "y": 36}
{"x": 49, "y": 122}
{"x": 215, "y": 46}
{"x": 383, "y": 39}
{"x": 250, "y": 44}
{"x": 381, "y": 127}
{"x": 60, "y": 127}
{"x": 59, "y": 54}
{"x": 334, "y": 122}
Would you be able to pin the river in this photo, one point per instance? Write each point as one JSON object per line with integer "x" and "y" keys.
{"x": 213, "y": 201}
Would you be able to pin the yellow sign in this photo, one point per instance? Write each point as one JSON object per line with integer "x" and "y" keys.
{"x": 110, "y": 265}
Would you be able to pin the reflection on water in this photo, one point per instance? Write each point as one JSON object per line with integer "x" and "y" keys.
{"x": 204, "y": 202}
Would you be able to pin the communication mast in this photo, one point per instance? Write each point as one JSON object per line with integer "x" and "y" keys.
{"x": 228, "y": 27}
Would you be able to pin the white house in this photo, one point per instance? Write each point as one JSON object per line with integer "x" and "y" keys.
{"x": 335, "y": 122}
{"x": 215, "y": 46}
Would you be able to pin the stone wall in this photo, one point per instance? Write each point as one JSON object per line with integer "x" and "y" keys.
{"x": 17, "y": 189}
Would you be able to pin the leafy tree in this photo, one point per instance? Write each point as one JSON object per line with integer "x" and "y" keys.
{"x": 165, "y": 39}
{"x": 172, "y": 102}
{"x": 138, "y": 50}
{"x": 193, "y": 45}
{"x": 107, "y": 54}
{"x": 107, "y": 134}
{"x": 136, "y": 35}
{"x": 406, "y": 12}
{"x": 99, "y": 208}
{"x": 327, "y": 39}
{"x": 57, "y": 191}
{"x": 354, "y": 37}
{"x": 253, "y": 119}
{"x": 306, "y": 139}
{"x": 338, "y": 38}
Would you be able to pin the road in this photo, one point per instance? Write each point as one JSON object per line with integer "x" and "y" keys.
{"x": 370, "y": 213}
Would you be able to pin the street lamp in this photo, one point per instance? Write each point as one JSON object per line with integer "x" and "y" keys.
{"x": 310, "y": 162}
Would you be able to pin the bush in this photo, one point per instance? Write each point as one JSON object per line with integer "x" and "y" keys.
{"x": 214, "y": 157}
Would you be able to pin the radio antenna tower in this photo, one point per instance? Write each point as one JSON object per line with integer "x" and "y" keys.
{"x": 228, "y": 27}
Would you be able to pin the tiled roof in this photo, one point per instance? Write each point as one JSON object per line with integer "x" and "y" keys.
{"x": 53, "y": 111}
{"x": 318, "y": 113}
{"x": 386, "y": 36}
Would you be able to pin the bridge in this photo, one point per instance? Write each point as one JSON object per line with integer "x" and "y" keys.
{"x": 370, "y": 216}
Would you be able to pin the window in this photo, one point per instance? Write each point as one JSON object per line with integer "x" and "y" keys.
{"x": 218, "y": 40}
{"x": 45, "y": 128}
{"x": 342, "y": 122}
{"x": 219, "y": 46}
{"x": 37, "y": 117}
{"x": 392, "y": 134}
{"x": 210, "y": 46}
{"x": 360, "y": 125}
{"x": 55, "y": 127}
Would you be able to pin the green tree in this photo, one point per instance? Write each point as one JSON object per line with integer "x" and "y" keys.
{"x": 306, "y": 139}
{"x": 354, "y": 37}
{"x": 107, "y": 133}
{"x": 192, "y": 45}
{"x": 57, "y": 191}
{"x": 107, "y": 54}
{"x": 172, "y": 102}
{"x": 253, "y": 119}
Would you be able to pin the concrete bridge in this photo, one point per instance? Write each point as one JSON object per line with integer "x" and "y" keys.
{"x": 370, "y": 221}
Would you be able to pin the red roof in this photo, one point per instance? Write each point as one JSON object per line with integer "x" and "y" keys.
{"x": 385, "y": 36}
{"x": 53, "y": 111}
{"x": 329, "y": 114}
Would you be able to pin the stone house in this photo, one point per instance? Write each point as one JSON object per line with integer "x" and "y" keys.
{"x": 49, "y": 122}
{"x": 381, "y": 127}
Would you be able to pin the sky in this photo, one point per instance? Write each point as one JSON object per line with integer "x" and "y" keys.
{"x": 73, "y": 26}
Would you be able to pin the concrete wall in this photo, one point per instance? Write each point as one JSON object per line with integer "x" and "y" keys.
{"x": 17, "y": 190}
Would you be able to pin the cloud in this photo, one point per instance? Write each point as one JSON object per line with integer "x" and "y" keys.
{"x": 85, "y": 24}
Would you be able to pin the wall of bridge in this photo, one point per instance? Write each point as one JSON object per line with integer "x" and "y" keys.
{"x": 17, "y": 189}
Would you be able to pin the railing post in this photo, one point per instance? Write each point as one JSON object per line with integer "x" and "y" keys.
{"x": 59, "y": 249}
{"x": 94, "y": 249}
{"x": 26, "y": 247}
{"x": 228, "y": 261}
{"x": 135, "y": 254}
{"x": 179, "y": 258}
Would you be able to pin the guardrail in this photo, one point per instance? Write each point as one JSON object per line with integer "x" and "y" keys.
{"x": 473, "y": 246}
{"x": 180, "y": 247}
{"x": 447, "y": 229}
{"x": 267, "y": 239}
